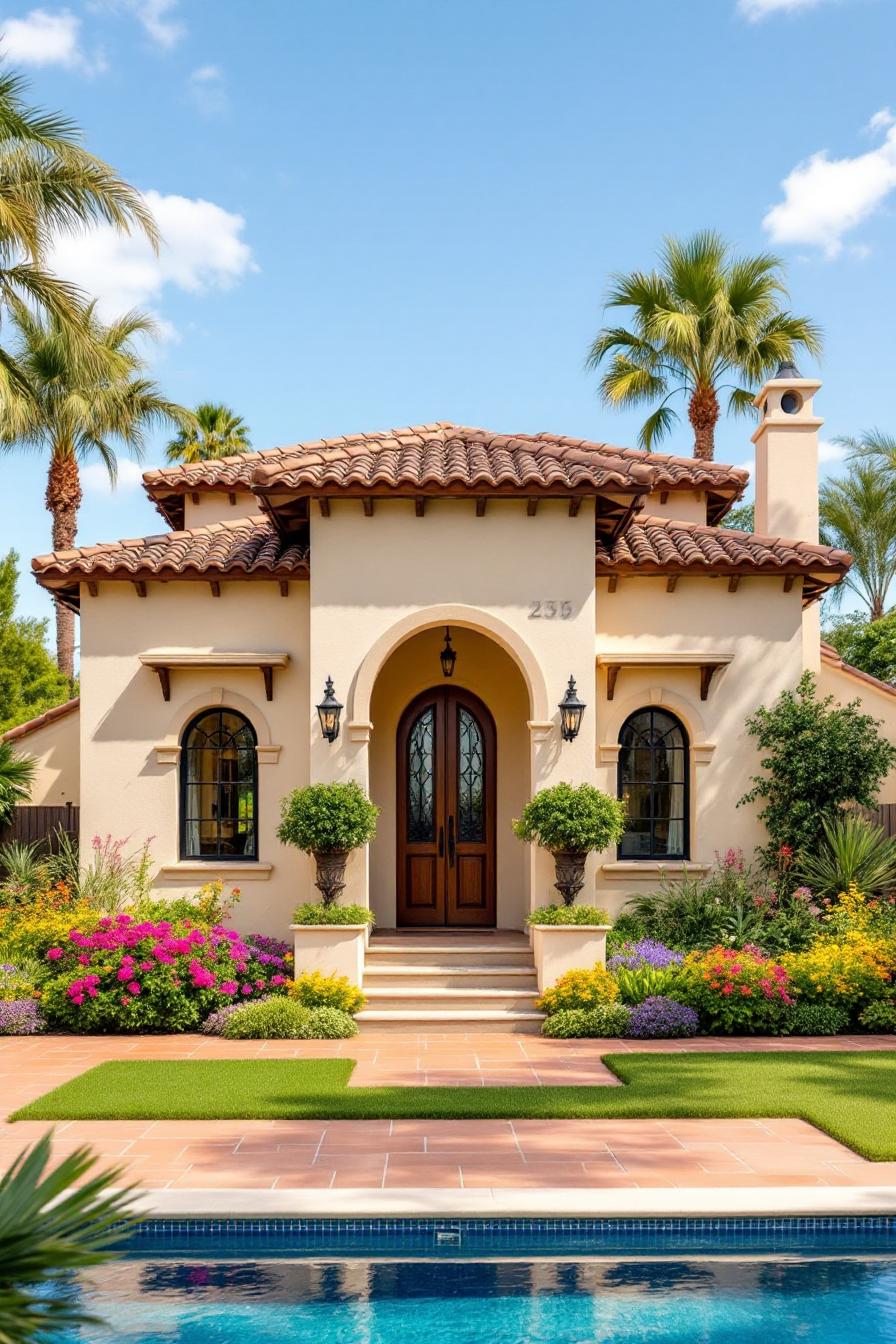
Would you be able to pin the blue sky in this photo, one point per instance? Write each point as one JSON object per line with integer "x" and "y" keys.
{"x": 382, "y": 212}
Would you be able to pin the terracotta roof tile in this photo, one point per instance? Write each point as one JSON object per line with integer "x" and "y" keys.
{"x": 49, "y": 716}
{"x": 830, "y": 655}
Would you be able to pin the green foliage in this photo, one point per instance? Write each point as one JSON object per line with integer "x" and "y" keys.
{"x": 817, "y": 1019}
{"x": 735, "y": 992}
{"x": 284, "y": 1019}
{"x": 579, "y": 989}
{"x": 879, "y": 1017}
{"x": 851, "y": 853}
{"x": 51, "y": 1224}
{"x": 564, "y": 817}
{"x": 637, "y": 983}
{"x": 316, "y": 990}
{"x": 210, "y": 906}
{"x": 216, "y": 431}
{"x": 607, "y": 1019}
{"x": 704, "y": 320}
{"x": 857, "y": 512}
{"x": 311, "y": 913}
{"x": 327, "y": 818}
{"x": 742, "y": 517}
{"x": 24, "y": 873}
{"x": 817, "y": 756}
{"x": 568, "y": 914}
{"x": 867, "y": 645}
{"x": 16, "y": 778}
{"x": 30, "y": 681}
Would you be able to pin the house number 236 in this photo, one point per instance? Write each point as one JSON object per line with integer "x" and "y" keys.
{"x": 550, "y": 611}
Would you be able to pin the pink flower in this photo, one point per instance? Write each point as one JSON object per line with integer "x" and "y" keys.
{"x": 146, "y": 965}
{"x": 247, "y": 989}
{"x": 54, "y": 954}
{"x": 124, "y": 973}
{"x": 228, "y": 987}
{"x": 278, "y": 979}
{"x": 84, "y": 960}
{"x": 133, "y": 987}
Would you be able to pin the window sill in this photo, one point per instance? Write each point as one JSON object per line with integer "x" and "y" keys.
{"x": 209, "y": 869}
{"x": 635, "y": 868}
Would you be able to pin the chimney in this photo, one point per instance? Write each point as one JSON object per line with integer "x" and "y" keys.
{"x": 787, "y": 456}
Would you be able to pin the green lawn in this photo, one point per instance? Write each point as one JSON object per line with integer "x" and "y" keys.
{"x": 851, "y": 1096}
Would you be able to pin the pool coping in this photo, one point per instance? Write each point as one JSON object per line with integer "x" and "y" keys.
{"x": 564, "y": 1202}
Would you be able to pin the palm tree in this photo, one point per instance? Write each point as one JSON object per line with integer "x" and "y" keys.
{"x": 85, "y": 387}
{"x": 704, "y": 322}
{"x": 217, "y": 431}
{"x": 16, "y": 778}
{"x": 50, "y": 184}
{"x": 858, "y": 514}
{"x": 871, "y": 445}
{"x": 48, "y": 1228}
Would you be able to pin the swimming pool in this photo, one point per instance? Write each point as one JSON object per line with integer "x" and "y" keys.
{"x": 516, "y": 1281}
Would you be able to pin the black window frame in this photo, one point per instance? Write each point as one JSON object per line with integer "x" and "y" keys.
{"x": 183, "y": 821}
{"x": 655, "y": 854}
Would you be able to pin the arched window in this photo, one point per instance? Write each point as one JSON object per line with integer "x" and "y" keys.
{"x": 219, "y": 787}
{"x": 653, "y": 782}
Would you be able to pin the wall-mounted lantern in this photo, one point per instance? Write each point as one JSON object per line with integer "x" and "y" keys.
{"x": 329, "y": 711}
{"x": 448, "y": 656}
{"x": 571, "y": 711}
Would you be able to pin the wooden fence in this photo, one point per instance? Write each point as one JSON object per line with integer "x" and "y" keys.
{"x": 33, "y": 824}
{"x": 884, "y": 816}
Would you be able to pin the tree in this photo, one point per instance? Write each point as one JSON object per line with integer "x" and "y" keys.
{"x": 217, "y": 431}
{"x": 50, "y": 184}
{"x": 51, "y": 1226}
{"x": 30, "y": 682}
{"x": 818, "y": 756}
{"x": 84, "y": 391}
{"x": 858, "y": 513}
{"x": 867, "y": 645}
{"x": 704, "y": 318}
{"x": 16, "y": 779}
{"x": 742, "y": 517}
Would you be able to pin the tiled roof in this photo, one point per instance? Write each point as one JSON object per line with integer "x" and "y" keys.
{"x": 50, "y": 716}
{"x": 830, "y": 656}
{"x": 442, "y": 457}
{"x": 246, "y": 547}
{"x": 661, "y": 546}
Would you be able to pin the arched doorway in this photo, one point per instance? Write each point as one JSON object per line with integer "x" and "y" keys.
{"x": 446, "y": 770}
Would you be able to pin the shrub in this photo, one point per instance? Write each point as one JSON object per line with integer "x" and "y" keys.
{"x": 216, "y": 1021}
{"x": 29, "y": 932}
{"x": 24, "y": 872}
{"x": 607, "y": 1019}
{"x": 817, "y": 756}
{"x": 637, "y": 983}
{"x": 16, "y": 778}
{"x": 327, "y": 818}
{"x": 853, "y": 912}
{"x": 129, "y": 975}
{"x": 817, "y": 1019}
{"x": 578, "y": 819}
{"x": 660, "y": 1018}
{"x": 316, "y": 990}
{"x": 111, "y": 879}
{"x": 735, "y": 991}
{"x": 206, "y": 909}
{"x": 20, "y": 1017}
{"x": 645, "y": 952}
{"x": 847, "y": 972}
{"x": 311, "y": 913}
{"x": 852, "y": 853}
{"x": 580, "y": 989}
{"x": 284, "y": 1019}
{"x": 880, "y": 1017}
{"x": 568, "y": 914}
{"x": 19, "y": 981}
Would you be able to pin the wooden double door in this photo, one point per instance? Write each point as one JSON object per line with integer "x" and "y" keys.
{"x": 446, "y": 773}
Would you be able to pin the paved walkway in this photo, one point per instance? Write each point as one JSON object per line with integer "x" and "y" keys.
{"x": 434, "y": 1154}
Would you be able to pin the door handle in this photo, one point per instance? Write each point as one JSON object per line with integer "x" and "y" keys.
{"x": 451, "y": 842}
{"x": 441, "y": 842}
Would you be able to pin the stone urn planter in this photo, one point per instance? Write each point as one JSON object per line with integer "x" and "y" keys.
{"x": 559, "y": 948}
{"x": 332, "y": 949}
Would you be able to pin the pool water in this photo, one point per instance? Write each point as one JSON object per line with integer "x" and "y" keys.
{"x": 435, "y": 1289}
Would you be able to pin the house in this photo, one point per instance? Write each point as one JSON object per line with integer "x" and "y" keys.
{"x": 449, "y": 586}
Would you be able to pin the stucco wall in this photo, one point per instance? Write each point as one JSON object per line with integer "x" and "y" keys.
{"x": 214, "y": 506}
{"x": 686, "y": 506}
{"x": 129, "y": 734}
{"x": 761, "y": 625}
{"x": 485, "y": 669}
{"x": 875, "y": 700}
{"x": 54, "y": 748}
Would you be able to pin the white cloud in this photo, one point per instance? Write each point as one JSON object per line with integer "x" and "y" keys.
{"x": 202, "y": 249}
{"x": 42, "y": 38}
{"x": 95, "y": 478}
{"x": 754, "y": 10}
{"x": 825, "y": 198}
{"x": 881, "y": 121}
{"x": 156, "y": 19}
{"x": 207, "y": 91}
{"x": 830, "y": 453}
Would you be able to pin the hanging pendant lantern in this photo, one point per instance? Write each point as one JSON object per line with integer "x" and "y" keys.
{"x": 448, "y": 656}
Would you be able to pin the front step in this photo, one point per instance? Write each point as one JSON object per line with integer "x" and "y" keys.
{"x": 429, "y": 981}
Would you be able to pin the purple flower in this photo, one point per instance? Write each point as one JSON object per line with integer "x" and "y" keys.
{"x": 659, "y": 1018}
{"x": 215, "y": 1022}
{"x": 20, "y": 1017}
{"x": 645, "y": 952}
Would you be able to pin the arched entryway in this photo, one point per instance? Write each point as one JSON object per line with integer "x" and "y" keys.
{"x": 446, "y": 771}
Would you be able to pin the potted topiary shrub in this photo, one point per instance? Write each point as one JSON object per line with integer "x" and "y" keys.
{"x": 328, "y": 821}
{"x": 571, "y": 823}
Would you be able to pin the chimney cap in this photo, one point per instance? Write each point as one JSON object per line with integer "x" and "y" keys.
{"x": 787, "y": 369}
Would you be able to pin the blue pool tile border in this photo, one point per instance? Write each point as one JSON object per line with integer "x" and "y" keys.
{"x": 411, "y": 1226}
